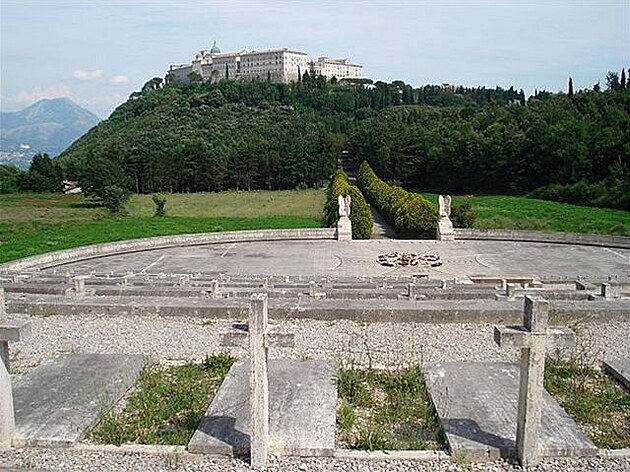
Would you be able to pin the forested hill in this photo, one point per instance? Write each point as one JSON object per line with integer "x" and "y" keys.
{"x": 260, "y": 135}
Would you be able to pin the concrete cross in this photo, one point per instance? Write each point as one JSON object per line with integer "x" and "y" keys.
{"x": 9, "y": 331}
{"x": 260, "y": 339}
{"x": 534, "y": 337}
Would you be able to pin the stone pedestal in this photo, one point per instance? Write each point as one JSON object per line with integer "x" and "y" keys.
{"x": 344, "y": 229}
{"x": 445, "y": 231}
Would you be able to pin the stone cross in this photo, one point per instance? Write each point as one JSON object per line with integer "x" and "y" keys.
{"x": 260, "y": 339}
{"x": 534, "y": 337}
{"x": 9, "y": 331}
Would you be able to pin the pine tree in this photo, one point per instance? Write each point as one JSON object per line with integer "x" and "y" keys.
{"x": 570, "y": 87}
{"x": 622, "y": 81}
{"x": 227, "y": 72}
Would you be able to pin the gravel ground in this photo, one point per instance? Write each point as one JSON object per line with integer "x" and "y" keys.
{"x": 387, "y": 345}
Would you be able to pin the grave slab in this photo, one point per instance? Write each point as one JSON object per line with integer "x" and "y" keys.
{"x": 57, "y": 401}
{"x": 302, "y": 411}
{"x": 619, "y": 369}
{"x": 477, "y": 406}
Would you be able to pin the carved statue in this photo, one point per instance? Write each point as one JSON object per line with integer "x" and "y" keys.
{"x": 344, "y": 205}
{"x": 445, "y": 206}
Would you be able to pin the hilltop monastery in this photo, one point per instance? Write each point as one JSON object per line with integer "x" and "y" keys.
{"x": 277, "y": 65}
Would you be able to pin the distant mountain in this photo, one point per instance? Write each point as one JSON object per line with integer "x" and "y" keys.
{"x": 49, "y": 126}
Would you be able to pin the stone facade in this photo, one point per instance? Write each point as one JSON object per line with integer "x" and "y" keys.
{"x": 277, "y": 65}
{"x": 338, "y": 68}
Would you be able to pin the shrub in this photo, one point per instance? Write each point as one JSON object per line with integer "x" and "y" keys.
{"x": 409, "y": 212}
{"x": 114, "y": 198}
{"x": 160, "y": 203}
{"x": 360, "y": 214}
{"x": 463, "y": 216}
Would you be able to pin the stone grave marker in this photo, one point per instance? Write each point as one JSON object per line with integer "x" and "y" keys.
{"x": 9, "y": 331}
{"x": 533, "y": 338}
{"x": 294, "y": 407}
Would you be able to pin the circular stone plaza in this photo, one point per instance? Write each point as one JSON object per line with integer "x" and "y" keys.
{"x": 169, "y": 300}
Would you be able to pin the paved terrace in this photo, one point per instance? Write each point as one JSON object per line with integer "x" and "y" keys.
{"x": 461, "y": 259}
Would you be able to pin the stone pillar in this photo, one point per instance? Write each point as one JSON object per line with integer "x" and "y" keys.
{"x": 606, "y": 290}
{"x": 411, "y": 291}
{"x": 311, "y": 289}
{"x": 344, "y": 229}
{"x": 79, "y": 284}
{"x": 259, "y": 381}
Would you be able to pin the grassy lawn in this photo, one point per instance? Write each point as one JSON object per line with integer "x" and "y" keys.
{"x": 386, "y": 410}
{"x": 37, "y": 223}
{"x": 596, "y": 402}
{"x": 496, "y": 212}
{"x": 166, "y": 405}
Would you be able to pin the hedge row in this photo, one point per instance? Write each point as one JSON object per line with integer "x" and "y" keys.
{"x": 360, "y": 214}
{"x": 409, "y": 212}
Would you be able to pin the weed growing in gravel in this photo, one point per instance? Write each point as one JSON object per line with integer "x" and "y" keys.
{"x": 166, "y": 405}
{"x": 386, "y": 410}
{"x": 592, "y": 399}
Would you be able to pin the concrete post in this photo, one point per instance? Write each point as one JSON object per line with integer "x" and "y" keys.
{"x": 79, "y": 284}
{"x": 533, "y": 338}
{"x": 3, "y": 304}
{"x": 411, "y": 291}
{"x": 531, "y": 382}
{"x": 606, "y": 290}
{"x": 311, "y": 289}
{"x": 510, "y": 291}
{"x": 214, "y": 289}
{"x": 259, "y": 381}
{"x": 7, "y": 415}
{"x": 9, "y": 331}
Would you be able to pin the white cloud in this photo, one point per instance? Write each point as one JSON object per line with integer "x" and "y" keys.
{"x": 37, "y": 93}
{"x": 119, "y": 80}
{"x": 88, "y": 75}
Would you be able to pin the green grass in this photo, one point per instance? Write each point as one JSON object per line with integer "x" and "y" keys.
{"x": 33, "y": 224}
{"x": 505, "y": 212}
{"x": 166, "y": 405}
{"x": 386, "y": 410}
{"x": 593, "y": 400}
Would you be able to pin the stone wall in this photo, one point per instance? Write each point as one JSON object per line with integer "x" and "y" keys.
{"x": 135, "y": 245}
{"x": 543, "y": 237}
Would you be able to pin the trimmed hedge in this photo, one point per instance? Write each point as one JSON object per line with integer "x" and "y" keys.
{"x": 360, "y": 214}
{"x": 409, "y": 212}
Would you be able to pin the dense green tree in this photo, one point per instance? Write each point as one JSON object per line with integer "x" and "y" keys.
{"x": 9, "y": 178}
{"x": 43, "y": 175}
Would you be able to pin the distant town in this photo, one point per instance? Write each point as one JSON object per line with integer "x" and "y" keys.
{"x": 281, "y": 65}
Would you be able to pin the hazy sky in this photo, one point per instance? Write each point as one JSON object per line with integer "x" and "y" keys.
{"x": 98, "y": 51}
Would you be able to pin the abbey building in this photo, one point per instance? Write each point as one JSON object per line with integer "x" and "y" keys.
{"x": 276, "y": 65}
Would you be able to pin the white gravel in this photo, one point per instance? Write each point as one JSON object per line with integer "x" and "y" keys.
{"x": 388, "y": 345}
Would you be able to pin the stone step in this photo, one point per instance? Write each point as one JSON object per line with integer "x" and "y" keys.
{"x": 302, "y": 411}
{"x": 477, "y": 407}
{"x": 58, "y": 400}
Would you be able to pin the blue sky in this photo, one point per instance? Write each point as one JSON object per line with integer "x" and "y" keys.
{"x": 98, "y": 51}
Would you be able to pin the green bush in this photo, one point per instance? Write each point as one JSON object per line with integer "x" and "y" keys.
{"x": 409, "y": 212}
{"x": 114, "y": 198}
{"x": 360, "y": 214}
{"x": 160, "y": 203}
{"x": 463, "y": 216}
